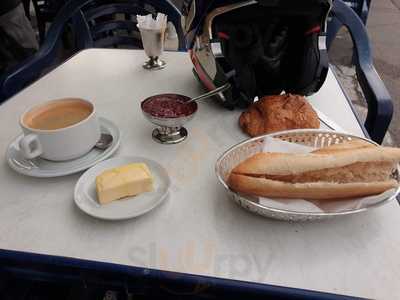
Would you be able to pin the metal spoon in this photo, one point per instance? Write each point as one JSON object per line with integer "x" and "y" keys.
{"x": 104, "y": 142}
{"x": 221, "y": 89}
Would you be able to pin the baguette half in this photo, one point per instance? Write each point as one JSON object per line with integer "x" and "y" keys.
{"x": 290, "y": 164}
{"x": 311, "y": 190}
{"x": 351, "y": 169}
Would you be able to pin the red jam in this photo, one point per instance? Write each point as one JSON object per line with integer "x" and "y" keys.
{"x": 169, "y": 106}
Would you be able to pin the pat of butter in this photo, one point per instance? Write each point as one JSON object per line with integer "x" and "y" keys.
{"x": 124, "y": 181}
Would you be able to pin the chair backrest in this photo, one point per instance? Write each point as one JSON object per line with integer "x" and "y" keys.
{"x": 360, "y": 7}
{"x": 105, "y": 23}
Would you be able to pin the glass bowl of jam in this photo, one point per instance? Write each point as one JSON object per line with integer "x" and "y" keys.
{"x": 170, "y": 112}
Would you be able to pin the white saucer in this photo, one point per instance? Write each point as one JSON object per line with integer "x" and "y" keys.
{"x": 86, "y": 196}
{"x": 39, "y": 167}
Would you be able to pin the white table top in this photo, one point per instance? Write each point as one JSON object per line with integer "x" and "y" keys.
{"x": 198, "y": 229}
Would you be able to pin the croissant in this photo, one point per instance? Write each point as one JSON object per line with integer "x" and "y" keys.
{"x": 277, "y": 113}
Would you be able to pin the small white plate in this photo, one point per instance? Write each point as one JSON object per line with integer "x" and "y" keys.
{"x": 86, "y": 196}
{"x": 39, "y": 167}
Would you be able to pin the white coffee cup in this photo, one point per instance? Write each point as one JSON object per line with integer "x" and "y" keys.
{"x": 59, "y": 130}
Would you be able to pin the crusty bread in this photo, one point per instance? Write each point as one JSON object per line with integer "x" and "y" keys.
{"x": 277, "y": 113}
{"x": 314, "y": 190}
{"x": 289, "y": 164}
{"x": 351, "y": 169}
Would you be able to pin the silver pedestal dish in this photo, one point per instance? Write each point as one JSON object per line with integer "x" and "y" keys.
{"x": 308, "y": 137}
{"x": 170, "y": 130}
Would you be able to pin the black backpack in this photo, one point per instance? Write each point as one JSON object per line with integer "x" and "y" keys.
{"x": 259, "y": 47}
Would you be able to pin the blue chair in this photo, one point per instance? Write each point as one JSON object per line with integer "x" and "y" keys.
{"x": 360, "y": 7}
{"x": 379, "y": 102}
{"x": 94, "y": 25}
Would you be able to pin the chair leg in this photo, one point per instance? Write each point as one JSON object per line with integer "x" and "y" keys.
{"x": 42, "y": 31}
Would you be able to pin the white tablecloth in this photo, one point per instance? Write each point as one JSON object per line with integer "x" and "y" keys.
{"x": 198, "y": 229}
